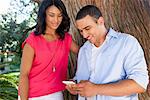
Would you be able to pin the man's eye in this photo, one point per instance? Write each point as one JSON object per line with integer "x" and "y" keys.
{"x": 80, "y": 30}
{"x": 87, "y": 28}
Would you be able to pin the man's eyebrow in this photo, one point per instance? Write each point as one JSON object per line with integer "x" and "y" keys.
{"x": 86, "y": 27}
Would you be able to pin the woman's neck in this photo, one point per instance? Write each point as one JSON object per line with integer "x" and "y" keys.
{"x": 49, "y": 31}
{"x": 50, "y": 35}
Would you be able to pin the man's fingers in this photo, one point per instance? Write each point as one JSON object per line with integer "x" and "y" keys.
{"x": 82, "y": 81}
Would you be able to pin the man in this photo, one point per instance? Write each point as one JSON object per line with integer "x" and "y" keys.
{"x": 111, "y": 65}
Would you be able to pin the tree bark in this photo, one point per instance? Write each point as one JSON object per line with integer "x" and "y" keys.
{"x": 129, "y": 16}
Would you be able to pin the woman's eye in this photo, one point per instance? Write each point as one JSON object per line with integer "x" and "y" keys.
{"x": 50, "y": 15}
{"x": 60, "y": 16}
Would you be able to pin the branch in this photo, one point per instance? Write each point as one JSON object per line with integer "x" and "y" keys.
{"x": 38, "y": 1}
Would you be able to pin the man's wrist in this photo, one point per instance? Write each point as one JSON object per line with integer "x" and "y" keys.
{"x": 96, "y": 89}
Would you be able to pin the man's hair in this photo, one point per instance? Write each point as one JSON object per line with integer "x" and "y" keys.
{"x": 90, "y": 10}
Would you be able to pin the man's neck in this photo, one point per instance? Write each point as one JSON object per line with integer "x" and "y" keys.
{"x": 102, "y": 38}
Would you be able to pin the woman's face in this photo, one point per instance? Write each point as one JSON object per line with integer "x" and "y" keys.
{"x": 53, "y": 17}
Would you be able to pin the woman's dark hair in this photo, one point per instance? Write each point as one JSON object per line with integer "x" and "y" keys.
{"x": 41, "y": 19}
{"x": 90, "y": 10}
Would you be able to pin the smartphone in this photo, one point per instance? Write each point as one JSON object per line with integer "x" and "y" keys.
{"x": 68, "y": 82}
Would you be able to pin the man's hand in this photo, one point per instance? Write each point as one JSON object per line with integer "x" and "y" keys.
{"x": 72, "y": 88}
{"x": 86, "y": 88}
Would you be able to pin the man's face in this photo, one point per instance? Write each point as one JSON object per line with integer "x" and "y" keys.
{"x": 89, "y": 28}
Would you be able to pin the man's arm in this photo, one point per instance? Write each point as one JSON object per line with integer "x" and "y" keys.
{"x": 121, "y": 88}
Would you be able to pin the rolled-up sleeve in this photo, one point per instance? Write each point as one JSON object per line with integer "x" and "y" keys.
{"x": 135, "y": 64}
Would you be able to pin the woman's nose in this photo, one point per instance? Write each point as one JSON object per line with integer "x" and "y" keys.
{"x": 56, "y": 19}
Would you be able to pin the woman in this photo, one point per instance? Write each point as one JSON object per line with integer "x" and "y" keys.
{"x": 45, "y": 54}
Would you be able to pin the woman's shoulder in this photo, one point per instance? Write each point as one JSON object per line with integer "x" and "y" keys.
{"x": 31, "y": 35}
{"x": 30, "y": 39}
{"x": 68, "y": 35}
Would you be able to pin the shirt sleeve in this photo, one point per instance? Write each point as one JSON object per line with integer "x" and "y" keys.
{"x": 29, "y": 40}
{"x": 135, "y": 64}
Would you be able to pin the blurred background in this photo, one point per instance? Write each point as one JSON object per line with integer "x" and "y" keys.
{"x": 17, "y": 19}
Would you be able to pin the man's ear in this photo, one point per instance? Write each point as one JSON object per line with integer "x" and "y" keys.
{"x": 100, "y": 20}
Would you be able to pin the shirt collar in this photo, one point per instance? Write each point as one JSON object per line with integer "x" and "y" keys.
{"x": 112, "y": 33}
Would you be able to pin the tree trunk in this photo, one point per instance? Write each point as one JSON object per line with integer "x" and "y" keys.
{"x": 129, "y": 16}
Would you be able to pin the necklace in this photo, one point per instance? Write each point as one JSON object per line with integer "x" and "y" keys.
{"x": 54, "y": 56}
{"x": 52, "y": 61}
{"x": 53, "y": 68}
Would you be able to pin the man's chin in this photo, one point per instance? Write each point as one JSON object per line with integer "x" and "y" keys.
{"x": 91, "y": 42}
